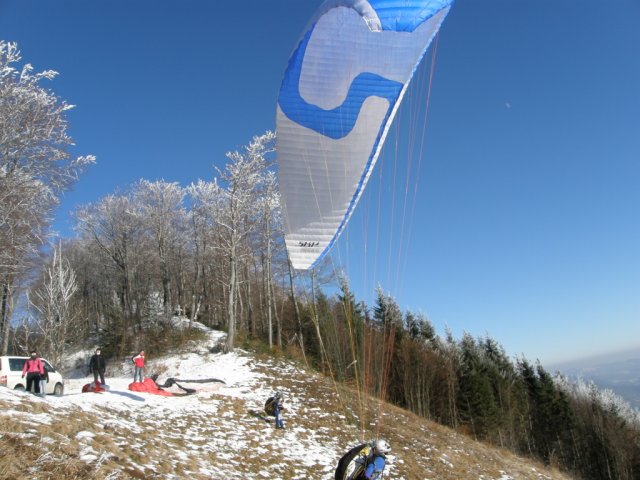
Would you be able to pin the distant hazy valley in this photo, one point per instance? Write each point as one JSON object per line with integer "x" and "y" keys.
{"x": 619, "y": 372}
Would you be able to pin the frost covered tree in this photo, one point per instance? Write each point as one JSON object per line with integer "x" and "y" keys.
{"x": 113, "y": 225}
{"x": 271, "y": 226}
{"x": 386, "y": 313}
{"x": 161, "y": 207}
{"x": 36, "y": 167}
{"x": 205, "y": 203}
{"x": 243, "y": 178}
{"x": 52, "y": 300}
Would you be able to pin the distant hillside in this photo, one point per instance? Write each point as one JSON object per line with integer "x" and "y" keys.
{"x": 221, "y": 433}
{"x": 619, "y": 372}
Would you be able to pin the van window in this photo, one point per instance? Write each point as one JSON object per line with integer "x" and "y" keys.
{"x": 48, "y": 367}
{"x": 16, "y": 364}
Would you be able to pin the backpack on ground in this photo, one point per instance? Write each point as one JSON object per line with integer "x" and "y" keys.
{"x": 270, "y": 406}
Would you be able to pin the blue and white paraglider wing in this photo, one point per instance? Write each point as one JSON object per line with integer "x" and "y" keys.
{"x": 341, "y": 89}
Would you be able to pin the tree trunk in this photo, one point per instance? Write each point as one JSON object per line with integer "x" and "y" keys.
{"x": 5, "y": 318}
{"x": 277, "y": 317}
{"x": 295, "y": 305}
{"x": 166, "y": 282}
{"x": 231, "y": 332}
{"x": 268, "y": 269}
{"x": 181, "y": 290}
{"x": 196, "y": 279}
{"x": 250, "y": 320}
{"x": 195, "y": 310}
{"x": 316, "y": 324}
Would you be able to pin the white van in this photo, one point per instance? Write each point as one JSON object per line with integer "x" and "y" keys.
{"x": 11, "y": 375}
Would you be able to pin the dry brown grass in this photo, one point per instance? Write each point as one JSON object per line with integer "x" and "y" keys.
{"x": 49, "y": 451}
{"x": 21, "y": 459}
{"x": 423, "y": 449}
{"x": 325, "y": 414}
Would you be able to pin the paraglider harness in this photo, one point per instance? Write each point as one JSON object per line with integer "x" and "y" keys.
{"x": 354, "y": 463}
{"x": 272, "y": 402}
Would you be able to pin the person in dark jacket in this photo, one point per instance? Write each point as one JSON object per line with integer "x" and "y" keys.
{"x": 34, "y": 369}
{"x": 98, "y": 365}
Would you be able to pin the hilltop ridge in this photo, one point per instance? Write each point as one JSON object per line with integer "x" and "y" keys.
{"x": 220, "y": 432}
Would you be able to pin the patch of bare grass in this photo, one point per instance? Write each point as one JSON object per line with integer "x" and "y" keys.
{"x": 21, "y": 459}
{"x": 51, "y": 451}
{"x": 237, "y": 439}
{"x": 420, "y": 448}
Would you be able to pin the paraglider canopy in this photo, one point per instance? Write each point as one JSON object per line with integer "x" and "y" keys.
{"x": 148, "y": 386}
{"x": 341, "y": 89}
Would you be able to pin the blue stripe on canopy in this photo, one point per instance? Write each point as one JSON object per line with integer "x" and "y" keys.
{"x": 338, "y": 122}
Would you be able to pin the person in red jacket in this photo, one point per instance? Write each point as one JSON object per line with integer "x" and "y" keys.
{"x": 138, "y": 368}
{"x": 34, "y": 370}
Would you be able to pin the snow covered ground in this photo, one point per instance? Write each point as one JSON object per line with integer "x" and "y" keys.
{"x": 221, "y": 432}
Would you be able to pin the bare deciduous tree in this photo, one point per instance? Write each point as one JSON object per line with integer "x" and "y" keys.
{"x": 113, "y": 224}
{"x": 161, "y": 206}
{"x": 52, "y": 301}
{"x": 243, "y": 177}
{"x": 35, "y": 168}
{"x": 271, "y": 203}
{"x": 205, "y": 203}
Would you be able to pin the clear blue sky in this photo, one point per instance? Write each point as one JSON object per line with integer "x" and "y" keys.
{"x": 526, "y": 223}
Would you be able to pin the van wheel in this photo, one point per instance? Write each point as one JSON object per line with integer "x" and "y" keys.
{"x": 58, "y": 390}
{"x": 19, "y": 387}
